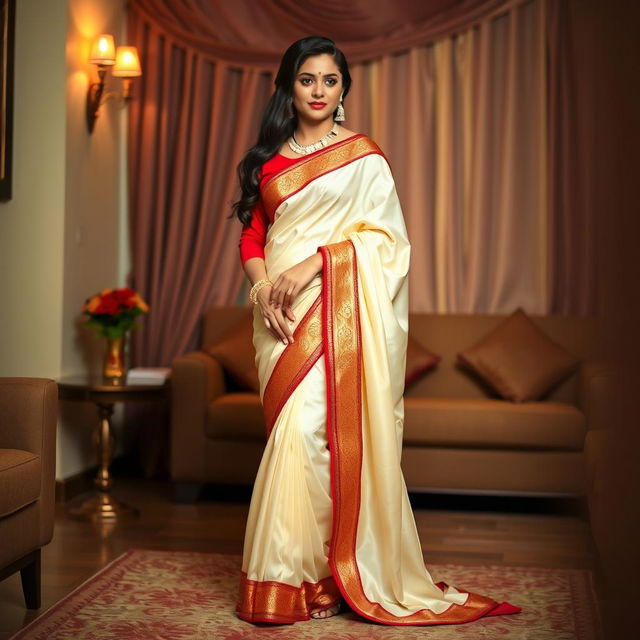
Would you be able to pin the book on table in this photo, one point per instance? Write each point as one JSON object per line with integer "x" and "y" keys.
{"x": 148, "y": 375}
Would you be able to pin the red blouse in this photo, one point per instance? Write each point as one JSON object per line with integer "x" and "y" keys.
{"x": 254, "y": 235}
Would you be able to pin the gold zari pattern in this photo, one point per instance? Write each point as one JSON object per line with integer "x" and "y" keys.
{"x": 291, "y": 180}
{"x": 342, "y": 338}
{"x": 297, "y": 358}
{"x": 272, "y": 601}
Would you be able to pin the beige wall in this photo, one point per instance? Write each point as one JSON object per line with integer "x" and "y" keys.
{"x": 92, "y": 200}
{"x": 61, "y": 236}
{"x": 32, "y": 223}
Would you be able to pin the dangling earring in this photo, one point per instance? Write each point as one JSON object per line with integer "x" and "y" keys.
{"x": 339, "y": 112}
{"x": 289, "y": 109}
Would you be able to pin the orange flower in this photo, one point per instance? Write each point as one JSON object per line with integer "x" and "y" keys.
{"x": 142, "y": 305}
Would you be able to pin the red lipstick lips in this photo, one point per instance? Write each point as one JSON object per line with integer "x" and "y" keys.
{"x": 317, "y": 105}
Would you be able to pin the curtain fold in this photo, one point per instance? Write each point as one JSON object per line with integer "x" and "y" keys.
{"x": 250, "y": 33}
{"x": 571, "y": 132}
{"x": 463, "y": 122}
{"x": 182, "y": 158}
{"x": 476, "y": 123}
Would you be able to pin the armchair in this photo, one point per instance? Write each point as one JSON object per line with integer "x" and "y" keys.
{"x": 28, "y": 419}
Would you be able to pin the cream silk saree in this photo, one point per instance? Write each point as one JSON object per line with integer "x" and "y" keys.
{"x": 330, "y": 514}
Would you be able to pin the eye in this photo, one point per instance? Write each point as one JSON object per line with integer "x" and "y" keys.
{"x": 306, "y": 81}
{"x": 331, "y": 81}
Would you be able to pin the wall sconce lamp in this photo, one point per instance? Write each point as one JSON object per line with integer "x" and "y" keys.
{"x": 125, "y": 64}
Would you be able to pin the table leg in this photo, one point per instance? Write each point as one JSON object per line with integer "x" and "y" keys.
{"x": 101, "y": 505}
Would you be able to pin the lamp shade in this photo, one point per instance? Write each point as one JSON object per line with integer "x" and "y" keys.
{"x": 127, "y": 63}
{"x": 103, "y": 50}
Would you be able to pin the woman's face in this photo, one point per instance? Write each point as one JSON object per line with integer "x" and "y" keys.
{"x": 317, "y": 88}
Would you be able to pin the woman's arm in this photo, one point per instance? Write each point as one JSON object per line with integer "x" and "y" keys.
{"x": 274, "y": 318}
{"x": 251, "y": 245}
{"x": 275, "y": 302}
{"x": 293, "y": 280}
{"x": 254, "y": 235}
{"x": 255, "y": 269}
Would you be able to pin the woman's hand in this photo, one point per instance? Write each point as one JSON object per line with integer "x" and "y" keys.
{"x": 274, "y": 318}
{"x": 291, "y": 281}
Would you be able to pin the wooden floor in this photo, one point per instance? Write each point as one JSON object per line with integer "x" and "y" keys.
{"x": 468, "y": 530}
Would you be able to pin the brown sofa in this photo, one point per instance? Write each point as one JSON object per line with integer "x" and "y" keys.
{"x": 459, "y": 436}
{"x": 28, "y": 419}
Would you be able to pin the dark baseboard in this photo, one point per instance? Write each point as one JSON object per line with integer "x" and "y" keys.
{"x": 552, "y": 505}
{"x": 81, "y": 482}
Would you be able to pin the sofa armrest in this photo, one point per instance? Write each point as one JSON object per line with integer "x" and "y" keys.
{"x": 596, "y": 388}
{"x": 595, "y": 453}
{"x": 196, "y": 380}
{"x": 29, "y": 421}
{"x": 28, "y": 408}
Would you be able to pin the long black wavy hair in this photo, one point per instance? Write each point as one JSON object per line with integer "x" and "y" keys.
{"x": 276, "y": 126}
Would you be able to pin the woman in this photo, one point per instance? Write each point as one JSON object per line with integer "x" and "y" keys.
{"x": 326, "y": 250}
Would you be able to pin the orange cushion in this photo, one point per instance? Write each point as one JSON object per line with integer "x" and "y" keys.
{"x": 419, "y": 361}
{"x": 518, "y": 360}
{"x": 236, "y": 354}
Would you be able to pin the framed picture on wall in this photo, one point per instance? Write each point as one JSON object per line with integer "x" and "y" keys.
{"x": 7, "y": 26}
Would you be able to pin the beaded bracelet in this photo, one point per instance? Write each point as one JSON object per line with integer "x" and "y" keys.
{"x": 253, "y": 294}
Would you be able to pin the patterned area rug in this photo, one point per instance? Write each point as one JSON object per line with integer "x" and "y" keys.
{"x": 179, "y": 595}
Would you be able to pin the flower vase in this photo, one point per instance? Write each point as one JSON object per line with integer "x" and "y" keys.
{"x": 114, "y": 366}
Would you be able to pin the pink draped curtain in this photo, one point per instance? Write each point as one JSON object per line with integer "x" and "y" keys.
{"x": 470, "y": 100}
{"x": 462, "y": 120}
{"x": 250, "y": 33}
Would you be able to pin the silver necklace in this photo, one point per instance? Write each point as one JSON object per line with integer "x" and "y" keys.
{"x": 314, "y": 146}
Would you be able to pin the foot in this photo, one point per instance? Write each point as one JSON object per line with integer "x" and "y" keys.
{"x": 325, "y": 613}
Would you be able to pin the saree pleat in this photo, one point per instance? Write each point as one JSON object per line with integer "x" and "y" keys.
{"x": 330, "y": 515}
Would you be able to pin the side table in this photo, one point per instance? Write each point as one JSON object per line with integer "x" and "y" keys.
{"x": 101, "y": 506}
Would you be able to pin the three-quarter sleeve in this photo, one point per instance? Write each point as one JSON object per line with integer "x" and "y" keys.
{"x": 254, "y": 235}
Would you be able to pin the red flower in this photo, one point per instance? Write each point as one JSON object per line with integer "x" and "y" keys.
{"x": 114, "y": 311}
{"x": 110, "y": 305}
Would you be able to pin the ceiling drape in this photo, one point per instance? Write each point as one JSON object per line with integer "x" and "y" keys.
{"x": 250, "y": 32}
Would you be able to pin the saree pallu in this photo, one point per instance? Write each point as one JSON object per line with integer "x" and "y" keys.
{"x": 330, "y": 515}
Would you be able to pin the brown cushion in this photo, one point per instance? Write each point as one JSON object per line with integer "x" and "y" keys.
{"x": 419, "y": 361}
{"x": 237, "y": 355}
{"x": 518, "y": 360}
{"x": 20, "y": 477}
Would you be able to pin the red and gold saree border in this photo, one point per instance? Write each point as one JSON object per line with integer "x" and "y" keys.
{"x": 294, "y": 178}
{"x": 272, "y": 601}
{"x": 343, "y": 360}
{"x": 293, "y": 364}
